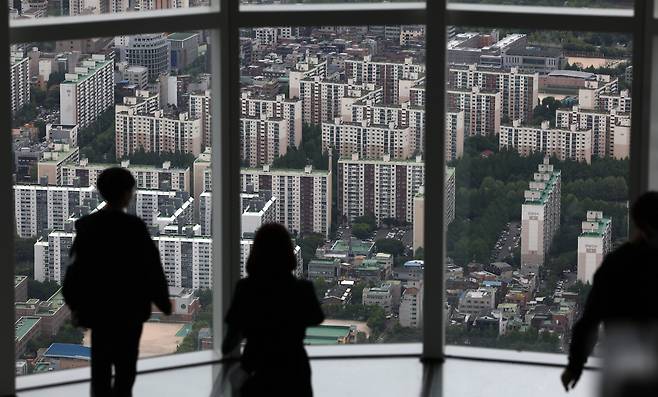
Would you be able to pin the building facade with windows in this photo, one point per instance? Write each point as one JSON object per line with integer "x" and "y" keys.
{"x": 19, "y": 81}
{"x": 482, "y": 109}
{"x": 368, "y": 140}
{"x": 594, "y": 243}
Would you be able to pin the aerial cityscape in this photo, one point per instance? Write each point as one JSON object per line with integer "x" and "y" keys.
{"x": 332, "y": 145}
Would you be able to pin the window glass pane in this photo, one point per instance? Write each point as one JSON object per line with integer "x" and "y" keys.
{"x": 31, "y": 9}
{"x": 541, "y": 180}
{"x": 79, "y": 107}
{"x": 331, "y": 143}
{"x": 627, "y": 4}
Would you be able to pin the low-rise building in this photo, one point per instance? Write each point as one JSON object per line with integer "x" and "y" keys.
{"x": 411, "y": 305}
{"x": 477, "y": 302}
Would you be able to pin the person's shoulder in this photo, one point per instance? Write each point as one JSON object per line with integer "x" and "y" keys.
{"x": 304, "y": 285}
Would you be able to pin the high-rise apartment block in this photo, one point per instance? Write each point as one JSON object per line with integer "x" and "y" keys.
{"x": 610, "y": 129}
{"x": 481, "y": 107}
{"x": 311, "y": 67}
{"x": 399, "y": 116}
{"x": 565, "y": 144}
{"x": 366, "y": 139}
{"x": 303, "y": 197}
{"x": 19, "y": 82}
{"x": 589, "y": 97}
{"x": 540, "y": 216}
{"x": 41, "y": 207}
{"x": 49, "y": 167}
{"x": 418, "y": 230}
{"x": 622, "y": 103}
{"x": 186, "y": 259}
{"x": 326, "y": 100}
{"x": 385, "y": 74}
{"x": 454, "y": 135}
{"x": 200, "y": 108}
{"x": 594, "y": 243}
{"x": 262, "y": 140}
{"x": 384, "y": 187}
{"x": 519, "y": 91}
{"x": 138, "y": 127}
{"x": 87, "y": 92}
{"x": 278, "y": 107}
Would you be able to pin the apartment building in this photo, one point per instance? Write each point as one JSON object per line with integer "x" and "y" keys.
{"x": 610, "y": 129}
{"x": 384, "y": 187}
{"x": 381, "y": 296}
{"x": 418, "y": 231}
{"x": 454, "y": 136}
{"x": 540, "y": 216}
{"x": 277, "y": 107}
{"x": 49, "y": 167}
{"x": 151, "y": 50}
{"x": 303, "y": 197}
{"x": 519, "y": 91}
{"x": 411, "y": 305}
{"x": 155, "y": 131}
{"x": 41, "y": 207}
{"x": 368, "y": 140}
{"x": 565, "y": 144}
{"x": 594, "y": 243}
{"x": 326, "y": 100}
{"x": 199, "y": 106}
{"x": 385, "y": 74}
{"x": 622, "y": 102}
{"x": 82, "y": 173}
{"x": 262, "y": 140}
{"x": 482, "y": 109}
{"x": 589, "y": 97}
{"x": 87, "y": 92}
{"x": 310, "y": 67}
{"x": 186, "y": 260}
{"x": 19, "y": 81}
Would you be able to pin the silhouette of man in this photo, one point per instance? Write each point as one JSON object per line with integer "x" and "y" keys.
{"x": 271, "y": 310}
{"x": 114, "y": 276}
{"x": 622, "y": 298}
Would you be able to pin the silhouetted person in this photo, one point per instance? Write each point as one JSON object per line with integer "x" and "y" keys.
{"x": 623, "y": 298}
{"x": 271, "y": 310}
{"x": 114, "y": 276}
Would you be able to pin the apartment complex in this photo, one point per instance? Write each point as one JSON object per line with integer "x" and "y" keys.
{"x": 610, "y": 129}
{"x": 264, "y": 107}
{"x": 385, "y": 74}
{"x": 368, "y": 140}
{"x": 19, "y": 82}
{"x": 540, "y": 216}
{"x": 326, "y": 100}
{"x": 138, "y": 127}
{"x": 482, "y": 109}
{"x": 87, "y": 92}
{"x": 186, "y": 259}
{"x": 49, "y": 167}
{"x": 565, "y": 144}
{"x": 594, "y": 243}
{"x": 519, "y": 91}
{"x": 418, "y": 231}
{"x": 401, "y": 116}
{"x": 310, "y": 67}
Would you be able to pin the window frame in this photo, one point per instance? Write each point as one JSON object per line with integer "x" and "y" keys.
{"x": 224, "y": 18}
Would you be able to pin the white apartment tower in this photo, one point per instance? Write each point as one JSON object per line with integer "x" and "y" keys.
{"x": 385, "y": 74}
{"x": 368, "y": 140}
{"x": 594, "y": 243}
{"x": 324, "y": 100}
{"x": 200, "y": 108}
{"x": 565, "y": 144}
{"x": 19, "y": 81}
{"x": 411, "y": 305}
{"x": 87, "y": 92}
{"x": 419, "y": 209}
{"x": 540, "y": 216}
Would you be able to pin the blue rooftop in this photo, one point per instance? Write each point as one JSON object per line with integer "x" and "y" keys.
{"x": 414, "y": 264}
{"x": 68, "y": 350}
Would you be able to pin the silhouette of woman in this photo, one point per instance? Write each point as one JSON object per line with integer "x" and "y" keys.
{"x": 271, "y": 310}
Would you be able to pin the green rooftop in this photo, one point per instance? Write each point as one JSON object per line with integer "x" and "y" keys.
{"x": 326, "y": 334}
{"x": 23, "y": 325}
{"x": 98, "y": 64}
{"x": 358, "y": 247}
{"x": 603, "y": 224}
{"x": 18, "y": 280}
{"x": 550, "y": 185}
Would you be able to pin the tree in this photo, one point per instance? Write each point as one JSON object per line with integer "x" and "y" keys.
{"x": 67, "y": 333}
{"x": 205, "y": 297}
{"x": 41, "y": 290}
{"x": 377, "y": 319}
{"x": 390, "y": 246}
{"x": 361, "y": 231}
{"x": 419, "y": 254}
{"x": 368, "y": 219}
{"x": 308, "y": 245}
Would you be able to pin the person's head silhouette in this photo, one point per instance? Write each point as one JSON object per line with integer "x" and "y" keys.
{"x": 116, "y": 185}
{"x": 645, "y": 215}
{"x": 272, "y": 253}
